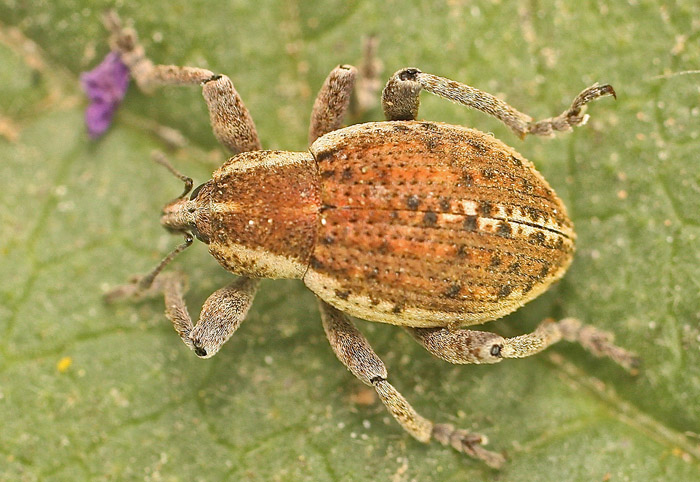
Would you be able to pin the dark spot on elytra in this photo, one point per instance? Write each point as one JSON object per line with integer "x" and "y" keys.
{"x": 544, "y": 270}
{"x": 469, "y": 223}
{"x": 398, "y": 307}
{"x": 430, "y": 219}
{"x": 315, "y": 263}
{"x": 504, "y": 291}
{"x": 533, "y": 214}
{"x": 485, "y": 208}
{"x": 538, "y": 238}
{"x": 514, "y": 268}
{"x": 495, "y": 260}
{"x": 526, "y": 185}
{"x": 383, "y": 247}
{"x": 431, "y": 143}
{"x": 489, "y": 173}
{"x": 413, "y": 202}
{"x": 428, "y": 126}
{"x": 327, "y": 174}
{"x": 347, "y": 174}
{"x": 468, "y": 179}
{"x": 325, "y": 155}
{"x": 343, "y": 295}
{"x": 373, "y": 273}
{"x": 516, "y": 161}
{"x": 453, "y": 290}
{"x": 560, "y": 243}
{"x": 444, "y": 204}
{"x": 504, "y": 229}
{"x": 462, "y": 251}
{"x": 328, "y": 240}
{"x": 526, "y": 288}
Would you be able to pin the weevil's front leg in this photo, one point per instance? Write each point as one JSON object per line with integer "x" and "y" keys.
{"x": 220, "y": 317}
{"x": 354, "y": 351}
{"x": 230, "y": 119}
{"x": 332, "y": 101}
{"x": 468, "y": 346}
{"x": 400, "y": 101}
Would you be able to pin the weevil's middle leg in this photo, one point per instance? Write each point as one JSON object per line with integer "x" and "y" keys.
{"x": 469, "y": 346}
{"x": 354, "y": 351}
{"x": 400, "y": 101}
{"x": 232, "y": 124}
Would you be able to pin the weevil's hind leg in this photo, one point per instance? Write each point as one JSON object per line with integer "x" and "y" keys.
{"x": 468, "y": 346}
{"x": 230, "y": 119}
{"x": 354, "y": 351}
{"x": 332, "y": 101}
{"x": 400, "y": 101}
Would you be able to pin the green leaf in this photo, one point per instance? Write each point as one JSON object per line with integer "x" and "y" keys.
{"x": 96, "y": 392}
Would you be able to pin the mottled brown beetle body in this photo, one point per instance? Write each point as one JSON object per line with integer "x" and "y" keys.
{"x": 428, "y": 224}
{"x": 424, "y": 225}
{"x": 412, "y": 223}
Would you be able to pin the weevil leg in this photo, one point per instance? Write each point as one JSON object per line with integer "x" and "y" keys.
{"x": 230, "y": 120}
{"x": 400, "y": 101}
{"x": 332, "y": 101}
{"x": 220, "y": 317}
{"x": 467, "y": 346}
{"x": 354, "y": 351}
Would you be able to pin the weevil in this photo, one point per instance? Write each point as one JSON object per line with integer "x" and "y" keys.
{"x": 428, "y": 226}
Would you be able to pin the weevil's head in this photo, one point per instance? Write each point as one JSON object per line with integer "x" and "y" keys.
{"x": 188, "y": 215}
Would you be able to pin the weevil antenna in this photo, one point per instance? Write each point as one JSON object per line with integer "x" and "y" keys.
{"x": 147, "y": 280}
{"x": 160, "y": 158}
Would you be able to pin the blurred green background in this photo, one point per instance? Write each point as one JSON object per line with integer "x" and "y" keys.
{"x": 95, "y": 392}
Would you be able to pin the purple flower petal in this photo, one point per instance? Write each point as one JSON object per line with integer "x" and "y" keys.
{"x": 105, "y": 86}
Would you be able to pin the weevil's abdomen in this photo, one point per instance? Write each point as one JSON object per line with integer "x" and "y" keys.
{"x": 429, "y": 224}
{"x": 261, "y": 209}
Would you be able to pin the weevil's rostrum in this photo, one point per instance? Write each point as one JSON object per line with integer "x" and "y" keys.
{"x": 425, "y": 225}
{"x": 429, "y": 224}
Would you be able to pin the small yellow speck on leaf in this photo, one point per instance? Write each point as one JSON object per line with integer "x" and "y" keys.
{"x": 64, "y": 364}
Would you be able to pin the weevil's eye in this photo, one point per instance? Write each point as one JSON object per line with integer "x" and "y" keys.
{"x": 200, "y": 351}
{"x": 195, "y": 193}
{"x": 496, "y": 351}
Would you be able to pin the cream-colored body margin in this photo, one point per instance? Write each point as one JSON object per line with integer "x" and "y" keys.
{"x": 361, "y": 306}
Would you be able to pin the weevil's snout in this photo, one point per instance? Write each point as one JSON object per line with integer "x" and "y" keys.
{"x": 179, "y": 216}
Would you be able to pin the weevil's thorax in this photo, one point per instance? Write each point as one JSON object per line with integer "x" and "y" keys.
{"x": 260, "y": 213}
